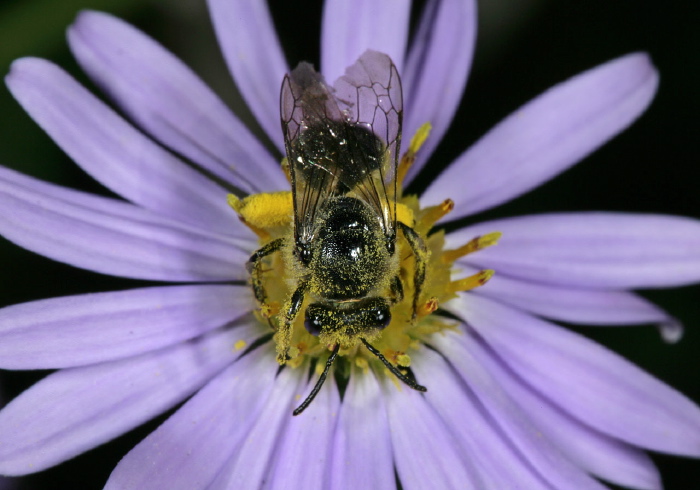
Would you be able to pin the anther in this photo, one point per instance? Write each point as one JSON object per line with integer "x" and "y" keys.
{"x": 410, "y": 156}
{"x": 471, "y": 282}
{"x": 433, "y": 214}
{"x": 428, "y": 307}
{"x": 477, "y": 243}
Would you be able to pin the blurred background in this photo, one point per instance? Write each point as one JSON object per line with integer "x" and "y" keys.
{"x": 524, "y": 47}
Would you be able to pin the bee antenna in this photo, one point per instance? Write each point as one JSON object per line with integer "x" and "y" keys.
{"x": 319, "y": 383}
{"x": 394, "y": 370}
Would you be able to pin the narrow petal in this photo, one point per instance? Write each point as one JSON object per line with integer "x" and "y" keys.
{"x": 362, "y": 454}
{"x": 169, "y": 101}
{"x": 577, "y": 305}
{"x": 598, "y": 454}
{"x": 592, "y": 250}
{"x": 438, "y": 460}
{"x": 436, "y": 72}
{"x": 304, "y": 451}
{"x": 111, "y": 150}
{"x": 191, "y": 447}
{"x": 74, "y": 410}
{"x": 547, "y": 135}
{"x": 92, "y": 328}
{"x": 514, "y": 424}
{"x": 254, "y": 57}
{"x": 351, "y": 28}
{"x": 112, "y": 237}
{"x": 495, "y": 461}
{"x": 593, "y": 384}
{"x": 249, "y": 465}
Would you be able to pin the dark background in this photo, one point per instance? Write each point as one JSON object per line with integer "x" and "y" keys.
{"x": 524, "y": 47}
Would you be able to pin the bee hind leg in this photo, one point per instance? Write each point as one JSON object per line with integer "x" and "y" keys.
{"x": 253, "y": 267}
{"x": 420, "y": 252}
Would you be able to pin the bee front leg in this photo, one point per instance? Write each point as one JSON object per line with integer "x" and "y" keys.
{"x": 284, "y": 333}
{"x": 420, "y": 252}
{"x": 253, "y": 267}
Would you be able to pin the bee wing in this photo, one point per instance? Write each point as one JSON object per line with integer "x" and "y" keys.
{"x": 308, "y": 110}
{"x": 341, "y": 140}
{"x": 370, "y": 96}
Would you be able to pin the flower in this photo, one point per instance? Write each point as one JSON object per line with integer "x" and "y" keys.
{"x": 514, "y": 400}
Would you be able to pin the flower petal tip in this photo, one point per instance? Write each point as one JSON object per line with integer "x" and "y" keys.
{"x": 671, "y": 331}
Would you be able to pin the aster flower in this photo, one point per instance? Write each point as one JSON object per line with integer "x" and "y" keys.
{"x": 514, "y": 401}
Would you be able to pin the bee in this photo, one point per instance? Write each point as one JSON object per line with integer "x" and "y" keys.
{"x": 342, "y": 146}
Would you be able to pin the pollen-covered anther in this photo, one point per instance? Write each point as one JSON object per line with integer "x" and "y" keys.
{"x": 403, "y": 360}
{"x": 268, "y": 310}
{"x": 473, "y": 245}
{"x": 434, "y": 213}
{"x": 263, "y": 212}
{"x": 409, "y": 157}
{"x": 471, "y": 282}
{"x": 428, "y": 307}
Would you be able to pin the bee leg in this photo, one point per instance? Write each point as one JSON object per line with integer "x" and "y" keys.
{"x": 420, "y": 252}
{"x": 319, "y": 383}
{"x": 397, "y": 290}
{"x": 284, "y": 334}
{"x": 253, "y": 267}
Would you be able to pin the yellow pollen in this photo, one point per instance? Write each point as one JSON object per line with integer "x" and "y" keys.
{"x": 477, "y": 243}
{"x": 410, "y": 156}
{"x": 471, "y": 282}
{"x": 433, "y": 214}
{"x": 403, "y": 360}
{"x": 428, "y": 307}
{"x": 268, "y": 310}
{"x": 241, "y": 344}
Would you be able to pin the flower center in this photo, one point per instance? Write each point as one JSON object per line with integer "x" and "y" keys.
{"x": 277, "y": 275}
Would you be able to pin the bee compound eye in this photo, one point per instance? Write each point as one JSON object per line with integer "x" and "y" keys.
{"x": 382, "y": 316}
{"x": 313, "y": 321}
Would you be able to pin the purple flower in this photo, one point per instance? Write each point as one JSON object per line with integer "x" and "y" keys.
{"x": 514, "y": 401}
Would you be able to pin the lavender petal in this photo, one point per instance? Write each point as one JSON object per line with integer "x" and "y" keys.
{"x": 93, "y": 328}
{"x": 190, "y": 448}
{"x": 254, "y": 57}
{"x": 591, "y": 383}
{"x": 513, "y": 423}
{"x": 598, "y": 454}
{"x": 576, "y": 305}
{"x": 111, "y": 150}
{"x": 438, "y": 461}
{"x": 74, "y": 410}
{"x": 592, "y": 250}
{"x": 351, "y": 28}
{"x": 113, "y": 237}
{"x": 303, "y": 454}
{"x": 248, "y": 466}
{"x": 547, "y": 135}
{"x": 436, "y": 71}
{"x": 169, "y": 101}
{"x": 495, "y": 461}
{"x": 362, "y": 438}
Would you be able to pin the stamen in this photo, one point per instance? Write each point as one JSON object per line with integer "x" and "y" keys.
{"x": 410, "y": 156}
{"x": 477, "y": 243}
{"x": 434, "y": 213}
{"x": 428, "y": 307}
{"x": 471, "y": 282}
{"x": 268, "y": 310}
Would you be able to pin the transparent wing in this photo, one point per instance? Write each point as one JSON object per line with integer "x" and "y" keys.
{"x": 370, "y": 95}
{"x": 344, "y": 140}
